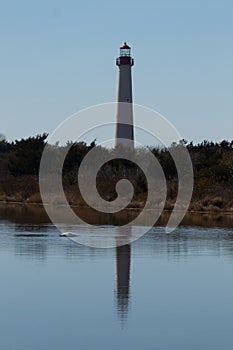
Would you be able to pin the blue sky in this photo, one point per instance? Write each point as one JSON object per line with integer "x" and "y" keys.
{"x": 58, "y": 57}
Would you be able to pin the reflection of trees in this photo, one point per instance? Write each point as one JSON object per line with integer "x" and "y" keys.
{"x": 31, "y": 247}
{"x": 23, "y": 213}
{"x": 123, "y": 280}
{"x": 185, "y": 242}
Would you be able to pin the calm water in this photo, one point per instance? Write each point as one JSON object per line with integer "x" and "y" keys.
{"x": 164, "y": 291}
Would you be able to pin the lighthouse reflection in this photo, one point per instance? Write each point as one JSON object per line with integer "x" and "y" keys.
{"x": 123, "y": 281}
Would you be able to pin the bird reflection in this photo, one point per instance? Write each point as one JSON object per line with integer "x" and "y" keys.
{"x": 123, "y": 281}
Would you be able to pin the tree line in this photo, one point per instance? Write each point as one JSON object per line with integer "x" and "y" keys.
{"x": 212, "y": 165}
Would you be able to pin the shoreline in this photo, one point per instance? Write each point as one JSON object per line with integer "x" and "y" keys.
{"x": 134, "y": 208}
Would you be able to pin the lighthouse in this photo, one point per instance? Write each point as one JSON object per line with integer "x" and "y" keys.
{"x": 124, "y": 117}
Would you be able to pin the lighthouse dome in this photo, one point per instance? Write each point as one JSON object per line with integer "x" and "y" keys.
{"x": 125, "y": 46}
{"x": 125, "y": 50}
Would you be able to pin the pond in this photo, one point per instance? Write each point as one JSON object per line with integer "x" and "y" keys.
{"x": 164, "y": 291}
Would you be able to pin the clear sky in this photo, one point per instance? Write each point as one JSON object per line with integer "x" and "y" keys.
{"x": 58, "y": 57}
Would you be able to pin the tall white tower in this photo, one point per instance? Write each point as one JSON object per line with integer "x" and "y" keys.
{"x": 124, "y": 117}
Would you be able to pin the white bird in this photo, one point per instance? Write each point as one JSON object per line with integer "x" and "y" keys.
{"x": 68, "y": 234}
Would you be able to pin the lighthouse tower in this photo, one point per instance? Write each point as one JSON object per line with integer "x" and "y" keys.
{"x": 124, "y": 117}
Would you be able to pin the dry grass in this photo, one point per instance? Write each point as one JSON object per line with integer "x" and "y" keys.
{"x": 213, "y": 199}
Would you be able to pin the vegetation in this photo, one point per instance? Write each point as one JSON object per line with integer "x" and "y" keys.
{"x": 212, "y": 164}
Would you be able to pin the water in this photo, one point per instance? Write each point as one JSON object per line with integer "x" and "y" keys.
{"x": 164, "y": 291}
